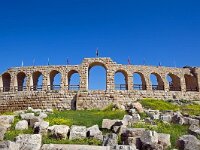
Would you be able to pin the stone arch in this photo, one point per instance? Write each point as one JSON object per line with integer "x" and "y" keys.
{"x": 159, "y": 85}
{"x": 37, "y": 83}
{"x": 141, "y": 84}
{"x": 191, "y": 82}
{"x": 124, "y": 85}
{"x": 76, "y": 83}
{"x": 21, "y": 81}
{"x": 6, "y": 80}
{"x": 174, "y": 82}
{"x": 94, "y": 65}
{"x": 54, "y": 75}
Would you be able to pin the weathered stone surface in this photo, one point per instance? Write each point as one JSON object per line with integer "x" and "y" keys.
{"x": 94, "y": 132}
{"x": 138, "y": 107}
{"x": 110, "y": 139}
{"x": 178, "y": 118}
{"x": 60, "y": 131}
{"x": 164, "y": 139}
{"x": 123, "y": 147}
{"x": 43, "y": 115}
{"x": 149, "y": 137}
{"x": 108, "y": 123}
{"x": 21, "y": 125}
{"x": 41, "y": 127}
{"x": 29, "y": 141}
{"x": 8, "y": 145}
{"x": 2, "y": 132}
{"x": 73, "y": 147}
{"x": 190, "y": 121}
{"x": 166, "y": 117}
{"x": 77, "y": 132}
{"x": 6, "y": 119}
{"x": 27, "y": 116}
{"x": 194, "y": 130}
{"x": 153, "y": 114}
{"x": 33, "y": 120}
{"x": 188, "y": 142}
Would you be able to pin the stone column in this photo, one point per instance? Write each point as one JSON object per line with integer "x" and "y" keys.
{"x": 183, "y": 84}
{"x": 165, "y": 81}
{"x": 84, "y": 78}
{"x": 130, "y": 81}
{"x": 63, "y": 80}
{"x": 45, "y": 81}
{"x": 148, "y": 82}
{"x": 198, "y": 78}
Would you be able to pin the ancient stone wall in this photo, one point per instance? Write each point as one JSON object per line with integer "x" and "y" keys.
{"x": 20, "y": 88}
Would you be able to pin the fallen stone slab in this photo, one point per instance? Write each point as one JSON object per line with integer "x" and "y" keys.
{"x": 21, "y": 125}
{"x": 29, "y": 141}
{"x": 8, "y": 145}
{"x": 108, "y": 123}
{"x": 2, "y": 132}
{"x": 41, "y": 127}
{"x": 59, "y": 131}
{"x": 188, "y": 142}
{"x": 110, "y": 139}
{"x": 73, "y": 147}
{"x": 94, "y": 132}
{"x": 77, "y": 132}
{"x": 6, "y": 119}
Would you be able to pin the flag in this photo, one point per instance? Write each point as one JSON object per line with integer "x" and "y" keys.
{"x": 48, "y": 62}
{"x": 67, "y": 61}
{"x": 22, "y": 63}
{"x": 97, "y": 52}
{"x": 129, "y": 61}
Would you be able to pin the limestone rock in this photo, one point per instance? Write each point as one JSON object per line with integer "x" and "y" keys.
{"x": 60, "y": 131}
{"x": 164, "y": 139}
{"x": 6, "y": 119}
{"x": 149, "y": 137}
{"x": 41, "y": 127}
{"x": 33, "y": 120}
{"x": 194, "y": 130}
{"x": 94, "y": 132}
{"x": 29, "y": 141}
{"x": 77, "y": 132}
{"x": 2, "y": 132}
{"x": 108, "y": 123}
{"x": 43, "y": 115}
{"x": 110, "y": 139}
{"x": 8, "y": 145}
{"x": 188, "y": 142}
{"x": 123, "y": 147}
{"x": 178, "y": 118}
{"x": 138, "y": 107}
{"x": 21, "y": 125}
{"x": 27, "y": 116}
{"x": 73, "y": 147}
{"x": 166, "y": 117}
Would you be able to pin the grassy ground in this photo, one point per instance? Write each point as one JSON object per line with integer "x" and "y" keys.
{"x": 192, "y": 109}
{"x": 78, "y": 117}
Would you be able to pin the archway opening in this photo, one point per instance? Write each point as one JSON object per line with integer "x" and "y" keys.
{"x": 97, "y": 76}
{"x": 73, "y": 80}
{"x": 139, "y": 82}
{"x": 156, "y": 82}
{"x": 37, "y": 81}
{"x": 121, "y": 80}
{"x": 191, "y": 83}
{"x": 21, "y": 81}
{"x": 55, "y": 80}
{"x": 174, "y": 82}
{"x": 6, "y": 78}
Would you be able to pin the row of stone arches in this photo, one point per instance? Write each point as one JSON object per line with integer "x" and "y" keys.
{"x": 140, "y": 81}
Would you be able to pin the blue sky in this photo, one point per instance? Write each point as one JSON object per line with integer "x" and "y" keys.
{"x": 165, "y": 31}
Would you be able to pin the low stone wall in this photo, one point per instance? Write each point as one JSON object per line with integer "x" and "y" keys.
{"x": 82, "y": 99}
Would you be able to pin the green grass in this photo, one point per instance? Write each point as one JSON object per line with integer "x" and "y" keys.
{"x": 191, "y": 109}
{"x": 83, "y": 117}
{"x": 12, "y": 133}
{"x": 86, "y": 141}
{"x": 158, "y": 104}
{"x": 174, "y": 130}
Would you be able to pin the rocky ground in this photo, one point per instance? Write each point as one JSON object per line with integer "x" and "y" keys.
{"x": 140, "y": 128}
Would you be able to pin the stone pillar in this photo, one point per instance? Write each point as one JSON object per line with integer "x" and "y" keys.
{"x": 45, "y": 81}
{"x": 165, "y": 81}
{"x": 198, "y": 78}
{"x": 183, "y": 84}
{"x": 148, "y": 82}
{"x": 130, "y": 81}
{"x": 84, "y": 78}
{"x": 63, "y": 81}
{"x": 29, "y": 82}
{"x": 110, "y": 80}
{"x": 12, "y": 81}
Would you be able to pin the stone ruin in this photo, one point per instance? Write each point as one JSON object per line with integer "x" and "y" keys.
{"x": 15, "y": 95}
